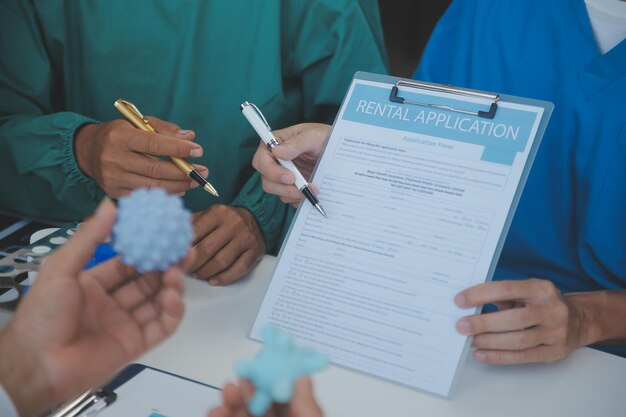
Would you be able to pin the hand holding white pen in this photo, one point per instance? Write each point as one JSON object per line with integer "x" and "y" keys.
{"x": 260, "y": 125}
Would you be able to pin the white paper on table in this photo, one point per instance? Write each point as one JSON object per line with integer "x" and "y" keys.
{"x": 413, "y": 218}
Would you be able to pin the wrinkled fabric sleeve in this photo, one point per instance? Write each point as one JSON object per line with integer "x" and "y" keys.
{"x": 324, "y": 43}
{"x": 40, "y": 175}
{"x": 272, "y": 215}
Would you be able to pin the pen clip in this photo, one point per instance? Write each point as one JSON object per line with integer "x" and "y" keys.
{"x": 258, "y": 111}
{"x": 272, "y": 143}
{"x": 133, "y": 109}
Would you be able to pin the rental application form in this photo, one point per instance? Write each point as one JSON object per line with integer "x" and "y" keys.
{"x": 417, "y": 200}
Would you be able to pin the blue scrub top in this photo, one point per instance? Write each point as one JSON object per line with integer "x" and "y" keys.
{"x": 570, "y": 225}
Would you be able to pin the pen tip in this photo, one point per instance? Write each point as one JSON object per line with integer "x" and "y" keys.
{"x": 210, "y": 189}
{"x": 321, "y": 210}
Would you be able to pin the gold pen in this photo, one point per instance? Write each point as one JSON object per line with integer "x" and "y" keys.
{"x": 134, "y": 116}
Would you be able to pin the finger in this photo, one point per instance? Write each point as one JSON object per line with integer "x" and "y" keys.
{"x": 114, "y": 276}
{"x": 264, "y": 162}
{"x": 134, "y": 181}
{"x": 314, "y": 188}
{"x": 220, "y": 411}
{"x": 136, "y": 291}
{"x": 300, "y": 139}
{"x": 232, "y": 403}
{"x": 288, "y": 193}
{"x": 156, "y": 144}
{"x": 74, "y": 255}
{"x": 150, "y": 291}
{"x": 170, "y": 129}
{"x": 111, "y": 274}
{"x": 204, "y": 223}
{"x": 238, "y": 269}
{"x": 303, "y": 402}
{"x": 501, "y": 321}
{"x": 296, "y": 147}
{"x": 519, "y": 340}
{"x": 156, "y": 168}
{"x": 221, "y": 261}
{"x": 231, "y": 396}
{"x": 500, "y": 291}
{"x": 247, "y": 390}
{"x": 188, "y": 260}
{"x": 504, "y": 357}
{"x": 173, "y": 279}
{"x": 208, "y": 248}
{"x": 171, "y": 309}
{"x": 505, "y": 305}
{"x": 145, "y": 313}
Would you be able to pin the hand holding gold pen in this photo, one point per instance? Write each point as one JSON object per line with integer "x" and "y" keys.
{"x": 134, "y": 116}
{"x": 120, "y": 156}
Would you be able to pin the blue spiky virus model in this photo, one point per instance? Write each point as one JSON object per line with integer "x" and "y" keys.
{"x": 276, "y": 368}
{"x": 152, "y": 231}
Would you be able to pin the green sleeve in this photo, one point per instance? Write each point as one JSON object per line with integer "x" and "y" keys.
{"x": 324, "y": 43}
{"x": 36, "y": 141}
{"x": 272, "y": 215}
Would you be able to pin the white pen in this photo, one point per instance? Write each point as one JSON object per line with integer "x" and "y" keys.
{"x": 262, "y": 128}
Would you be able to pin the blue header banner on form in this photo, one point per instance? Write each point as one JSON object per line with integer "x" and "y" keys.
{"x": 501, "y": 137}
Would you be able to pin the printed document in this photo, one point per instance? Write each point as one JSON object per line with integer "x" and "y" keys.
{"x": 417, "y": 199}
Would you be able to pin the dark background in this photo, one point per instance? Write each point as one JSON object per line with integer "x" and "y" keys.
{"x": 407, "y": 25}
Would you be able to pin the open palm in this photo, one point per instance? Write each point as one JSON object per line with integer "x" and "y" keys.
{"x": 79, "y": 327}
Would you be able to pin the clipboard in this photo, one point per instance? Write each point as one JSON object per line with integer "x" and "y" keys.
{"x": 406, "y": 112}
{"x": 423, "y": 85}
{"x": 143, "y": 391}
{"x": 480, "y": 111}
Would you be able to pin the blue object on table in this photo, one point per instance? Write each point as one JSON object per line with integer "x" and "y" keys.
{"x": 276, "y": 368}
{"x": 153, "y": 230}
{"x": 103, "y": 253}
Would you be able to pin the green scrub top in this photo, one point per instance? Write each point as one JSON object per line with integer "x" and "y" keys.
{"x": 192, "y": 62}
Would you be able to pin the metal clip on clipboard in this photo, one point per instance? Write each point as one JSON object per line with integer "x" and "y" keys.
{"x": 490, "y": 114}
{"x": 88, "y": 404}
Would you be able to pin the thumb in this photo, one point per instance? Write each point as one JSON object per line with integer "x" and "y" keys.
{"x": 295, "y": 147}
{"x": 247, "y": 390}
{"x": 304, "y": 138}
{"x": 303, "y": 403}
{"x": 170, "y": 129}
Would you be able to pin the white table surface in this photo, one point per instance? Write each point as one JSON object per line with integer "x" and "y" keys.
{"x": 214, "y": 334}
